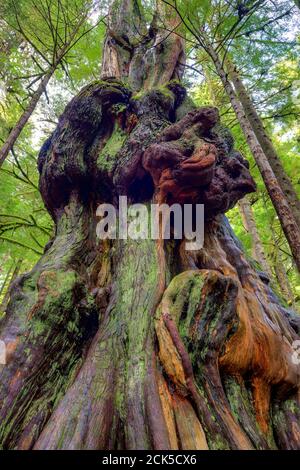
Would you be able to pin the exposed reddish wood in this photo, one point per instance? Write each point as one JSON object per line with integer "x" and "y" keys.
{"x": 185, "y": 168}
{"x": 168, "y": 412}
{"x": 190, "y": 431}
{"x": 261, "y": 397}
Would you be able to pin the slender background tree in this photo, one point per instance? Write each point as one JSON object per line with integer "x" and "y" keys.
{"x": 64, "y": 23}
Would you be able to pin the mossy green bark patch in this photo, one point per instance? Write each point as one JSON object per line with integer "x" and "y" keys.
{"x": 241, "y": 404}
{"x": 199, "y": 303}
{"x": 286, "y": 419}
{"x": 163, "y": 90}
{"x": 107, "y": 156}
{"x": 131, "y": 324}
{"x": 54, "y": 316}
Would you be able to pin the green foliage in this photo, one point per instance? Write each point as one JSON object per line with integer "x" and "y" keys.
{"x": 27, "y": 49}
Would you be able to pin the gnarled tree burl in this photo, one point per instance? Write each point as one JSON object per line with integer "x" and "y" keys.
{"x": 129, "y": 344}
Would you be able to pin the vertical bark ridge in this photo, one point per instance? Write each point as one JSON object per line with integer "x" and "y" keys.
{"x": 111, "y": 393}
{"x": 49, "y": 319}
{"x": 257, "y": 246}
{"x": 146, "y": 57}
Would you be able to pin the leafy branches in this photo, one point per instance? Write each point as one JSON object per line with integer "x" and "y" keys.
{"x": 65, "y": 24}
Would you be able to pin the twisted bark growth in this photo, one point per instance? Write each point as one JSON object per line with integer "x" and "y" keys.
{"x": 146, "y": 57}
{"x": 100, "y": 353}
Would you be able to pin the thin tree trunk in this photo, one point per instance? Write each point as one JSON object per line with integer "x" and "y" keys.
{"x": 282, "y": 277}
{"x": 6, "y": 297}
{"x": 265, "y": 142}
{"x": 258, "y": 252}
{"x": 284, "y": 211}
{"x": 19, "y": 126}
{"x": 6, "y": 279}
{"x": 142, "y": 344}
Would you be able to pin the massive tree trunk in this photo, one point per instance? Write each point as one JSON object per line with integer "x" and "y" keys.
{"x": 265, "y": 142}
{"x": 141, "y": 344}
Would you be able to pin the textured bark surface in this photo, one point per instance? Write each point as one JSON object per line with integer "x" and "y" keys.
{"x": 265, "y": 142}
{"x": 282, "y": 278}
{"x": 258, "y": 252}
{"x": 140, "y": 344}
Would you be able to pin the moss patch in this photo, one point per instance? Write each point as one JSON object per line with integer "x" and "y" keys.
{"x": 107, "y": 155}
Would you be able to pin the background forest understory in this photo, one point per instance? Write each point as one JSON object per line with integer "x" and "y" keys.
{"x": 261, "y": 39}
